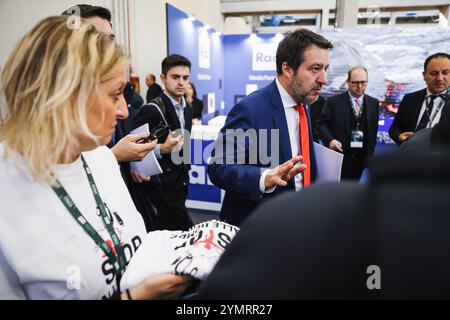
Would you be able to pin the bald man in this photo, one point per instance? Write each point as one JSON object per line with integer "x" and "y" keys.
{"x": 154, "y": 90}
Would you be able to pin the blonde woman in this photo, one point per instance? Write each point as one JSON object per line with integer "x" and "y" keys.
{"x": 68, "y": 225}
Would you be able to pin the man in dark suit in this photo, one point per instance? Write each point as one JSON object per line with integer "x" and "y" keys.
{"x": 169, "y": 190}
{"x": 433, "y": 139}
{"x": 154, "y": 90}
{"x": 272, "y": 122}
{"x": 422, "y": 109}
{"x": 349, "y": 124}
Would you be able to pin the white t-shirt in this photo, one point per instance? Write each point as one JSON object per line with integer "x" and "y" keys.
{"x": 194, "y": 252}
{"x": 44, "y": 252}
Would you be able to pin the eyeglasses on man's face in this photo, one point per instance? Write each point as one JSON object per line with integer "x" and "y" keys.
{"x": 357, "y": 83}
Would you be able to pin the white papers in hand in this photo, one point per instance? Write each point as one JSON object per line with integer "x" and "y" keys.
{"x": 329, "y": 164}
{"x": 149, "y": 166}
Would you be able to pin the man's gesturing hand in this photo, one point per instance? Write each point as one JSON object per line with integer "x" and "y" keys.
{"x": 280, "y": 175}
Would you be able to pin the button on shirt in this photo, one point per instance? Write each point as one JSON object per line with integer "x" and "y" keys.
{"x": 434, "y": 117}
{"x": 179, "y": 109}
{"x": 292, "y": 124}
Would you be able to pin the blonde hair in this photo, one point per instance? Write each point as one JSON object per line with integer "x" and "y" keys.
{"x": 46, "y": 84}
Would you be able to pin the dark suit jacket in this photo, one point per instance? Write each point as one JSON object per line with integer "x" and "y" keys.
{"x": 172, "y": 173}
{"x": 408, "y": 114}
{"x": 334, "y": 122}
{"x": 197, "y": 109}
{"x": 261, "y": 110}
{"x": 315, "y": 110}
{"x": 436, "y": 139}
{"x": 153, "y": 91}
{"x": 299, "y": 246}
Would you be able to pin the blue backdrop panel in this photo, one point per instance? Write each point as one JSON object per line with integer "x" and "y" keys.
{"x": 204, "y": 48}
{"x": 201, "y": 189}
{"x": 239, "y": 72}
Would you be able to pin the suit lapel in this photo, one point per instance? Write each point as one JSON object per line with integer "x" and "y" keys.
{"x": 279, "y": 118}
{"x": 368, "y": 113}
{"x": 348, "y": 106}
{"x": 188, "y": 117}
{"x": 417, "y": 107}
{"x": 171, "y": 111}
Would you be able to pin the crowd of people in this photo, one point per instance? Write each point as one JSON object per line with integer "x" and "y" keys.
{"x": 72, "y": 204}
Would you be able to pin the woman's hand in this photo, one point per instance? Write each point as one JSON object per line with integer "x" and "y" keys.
{"x": 126, "y": 149}
{"x": 160, "y": 287}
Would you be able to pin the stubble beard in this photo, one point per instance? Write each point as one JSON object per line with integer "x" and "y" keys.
{"x": 299, "y": 93}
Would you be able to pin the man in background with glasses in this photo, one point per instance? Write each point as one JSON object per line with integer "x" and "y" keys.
{"x": 349, "y": 124}
{"x": 422, "y": 109}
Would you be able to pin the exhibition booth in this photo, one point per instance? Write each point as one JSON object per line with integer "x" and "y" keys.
{"x": 226, "y": 68}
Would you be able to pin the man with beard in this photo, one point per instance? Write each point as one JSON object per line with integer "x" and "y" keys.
{"x": 422, "y": 109}
{"x": 267, "y": 139}
{"x": 349, "y": 124}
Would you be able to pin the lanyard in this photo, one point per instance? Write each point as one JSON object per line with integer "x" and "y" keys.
{"x": 117, "y": 259}
{"x": 441, "y": 104}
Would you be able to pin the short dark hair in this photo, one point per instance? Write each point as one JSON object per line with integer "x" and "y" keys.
{"x": 174, "y": 60}
{"x": 292, "y": 48}
{"x": 153, "y": 77}
{"x": 433, "y": 56}
{"x": 88, "y": 11}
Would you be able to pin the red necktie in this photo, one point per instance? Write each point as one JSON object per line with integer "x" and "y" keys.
{"x": 304, "y": 143}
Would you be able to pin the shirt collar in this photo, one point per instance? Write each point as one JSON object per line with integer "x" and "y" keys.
{"x": 286, "y": 99}
{"x": 440, "y": 94}
{"x": 360, "y": 99}
{"x": 175, "y": 102}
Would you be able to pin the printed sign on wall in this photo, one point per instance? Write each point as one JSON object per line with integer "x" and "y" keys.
{"x": 204, "y": 49}
{"x": 264, "y": 56}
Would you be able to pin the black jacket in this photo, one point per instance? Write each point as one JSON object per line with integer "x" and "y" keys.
{"x": 197, "y": 109}
{"x": 153, "y": 91}
{"x": 408, "y": 114}
{"x": 334, "y": 122}
{"x": 172, "y": 173}
{"x": 436, "y": 139}
{"x": 315, "y": 110}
